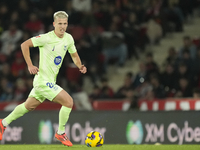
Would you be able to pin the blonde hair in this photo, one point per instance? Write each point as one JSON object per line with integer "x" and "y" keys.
{"x": 60, "y": 14}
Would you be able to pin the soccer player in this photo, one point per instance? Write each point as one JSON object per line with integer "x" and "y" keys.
{"x": 53, "y": 47}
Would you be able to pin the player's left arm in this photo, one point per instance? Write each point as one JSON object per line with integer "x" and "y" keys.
{"x": 77, "y": 61}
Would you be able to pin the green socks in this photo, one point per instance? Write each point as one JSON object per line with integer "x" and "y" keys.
{"x": 63, "y": 118}
{"x": 19, "y": 111}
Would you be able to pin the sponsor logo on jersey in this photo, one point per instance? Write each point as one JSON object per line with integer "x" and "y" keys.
{"x": 53, "y": 48}
{"x": 58, "y": 60}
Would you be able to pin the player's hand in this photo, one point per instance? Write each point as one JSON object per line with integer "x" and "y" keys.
{"x": 33, "y": 69}
{"x": 83, "y": 69}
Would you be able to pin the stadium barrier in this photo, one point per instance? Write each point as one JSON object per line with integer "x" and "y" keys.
{"x": 117, "y": 127}
{"x": 170, "y": 104}
{"x": 101, "y": 104}
{"x": 111, "y": 104}
{"x": 9, "y": 106}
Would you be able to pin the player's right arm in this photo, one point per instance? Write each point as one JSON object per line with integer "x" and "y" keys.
{"x": 25, "y": 47}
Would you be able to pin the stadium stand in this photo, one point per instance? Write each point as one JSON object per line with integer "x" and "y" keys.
{"x": 137, "y": 20}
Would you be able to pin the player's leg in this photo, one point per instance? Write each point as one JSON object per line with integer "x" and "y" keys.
{"x": 30, "y": 104}
{"x": 66, "y": 101}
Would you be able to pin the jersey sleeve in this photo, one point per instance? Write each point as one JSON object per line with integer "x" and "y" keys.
{"x": 39, "y": 40}
{"x": 71, "y": 48}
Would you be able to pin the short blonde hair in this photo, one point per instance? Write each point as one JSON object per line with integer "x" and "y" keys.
{"x": 60, "y": 14}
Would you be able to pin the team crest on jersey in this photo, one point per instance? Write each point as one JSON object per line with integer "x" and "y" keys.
{"x": 65, "y": 47}
{"x": 58, "y": 60}
{"x": 38, "y": 36}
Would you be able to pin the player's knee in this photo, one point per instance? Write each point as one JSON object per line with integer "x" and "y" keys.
{"x": 69, "y": 103}
{"x": 30, "y": 108}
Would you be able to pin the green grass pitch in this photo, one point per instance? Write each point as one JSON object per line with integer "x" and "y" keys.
{"x": 104, "y": 147}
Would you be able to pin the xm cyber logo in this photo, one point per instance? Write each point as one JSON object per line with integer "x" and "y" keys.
{"x": 58, "y": 60}
{"x": 134, "y": 132}
{"x": 45, "y": 132}
{"x": 164, "y": 133}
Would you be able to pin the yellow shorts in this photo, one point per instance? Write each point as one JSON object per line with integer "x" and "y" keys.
{"x": 45, "y": 90}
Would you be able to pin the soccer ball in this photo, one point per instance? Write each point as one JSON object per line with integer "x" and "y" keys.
{"x": 94, "y": 139}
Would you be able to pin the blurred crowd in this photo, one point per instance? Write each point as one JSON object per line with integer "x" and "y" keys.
{"x": 105, "y": 32}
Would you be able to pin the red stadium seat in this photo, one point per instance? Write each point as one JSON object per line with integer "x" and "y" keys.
{"x": 73, "y": 73}
{"x": 76, "y": 31}
{"x": 196, "y": 41}
{"x": 99, "y": 28}
{"x": 110, "y": 104}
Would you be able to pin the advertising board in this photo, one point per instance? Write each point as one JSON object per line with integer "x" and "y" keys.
{"x": 117, "y": 127}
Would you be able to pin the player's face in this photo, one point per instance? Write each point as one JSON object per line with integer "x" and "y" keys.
{"x": 60, "y": 25}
